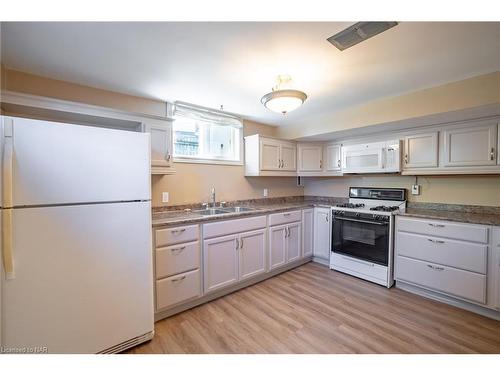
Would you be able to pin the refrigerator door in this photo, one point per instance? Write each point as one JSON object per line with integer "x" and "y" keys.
{"x": 84, "y": 279}
{"x": 55, "y": 163}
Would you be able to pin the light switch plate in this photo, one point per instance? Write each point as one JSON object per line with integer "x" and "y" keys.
{"x": 164, "y": 197}
{"x": 266, "y": 192}
{"x": 415, "y": 190}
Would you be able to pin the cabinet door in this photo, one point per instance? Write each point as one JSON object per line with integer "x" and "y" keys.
{"x": 277, "y": 250}
{"x": 332, "y": 158}
{"x": 496, "y": 266}
{"x": 322, "y": 233}
{"x": 307, "y": 232}
{"x": 421, "y": 150}
{"x": 475, "y": 145}
{"x": 269, "y": 154}
{"x": 288, "y": 155}
{"x": 310, "y": 157}
{"x": 220, "y": 257}
{"x": 161, "y": 143}
{"x": 252, "y": 249}
{"x": 293, "y": 242}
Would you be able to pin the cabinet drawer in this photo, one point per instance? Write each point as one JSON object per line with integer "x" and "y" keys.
{"x": 284, "y": 217}
{"x": 177, "y": 259}
{"x": 440, "y": 228}
{"x": 224, "y": 228}
{"x": 170, "y": 236}
{"x": 360, "y": 267}
{"x": 459, "y": 254}
{"x": 178, "y": 288}
{"x": 462, "y": 284}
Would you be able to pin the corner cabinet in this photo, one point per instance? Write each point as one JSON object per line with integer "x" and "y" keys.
{"x": 267, "y": 156}
{"x": 161, "y": 145}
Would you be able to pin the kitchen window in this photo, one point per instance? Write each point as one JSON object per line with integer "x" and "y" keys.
{"x": 203, "y": 135}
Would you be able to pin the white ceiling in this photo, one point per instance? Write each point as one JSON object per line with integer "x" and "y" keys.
{"x": 234, "y": 64}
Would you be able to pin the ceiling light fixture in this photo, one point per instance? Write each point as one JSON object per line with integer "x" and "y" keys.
{"x": 282, "y": 99}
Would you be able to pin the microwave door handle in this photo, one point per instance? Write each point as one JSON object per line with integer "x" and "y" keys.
{"x": 362, "y": 221}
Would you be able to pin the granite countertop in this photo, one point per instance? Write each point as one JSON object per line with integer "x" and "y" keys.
{"x": 451, "y": 212}
{"x": 190, "y": 216}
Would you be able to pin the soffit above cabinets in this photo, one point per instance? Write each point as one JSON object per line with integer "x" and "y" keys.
{"x": 237, "y": 60}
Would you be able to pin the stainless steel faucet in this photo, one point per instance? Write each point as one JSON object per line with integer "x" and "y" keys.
{"x": 212, "y": 196}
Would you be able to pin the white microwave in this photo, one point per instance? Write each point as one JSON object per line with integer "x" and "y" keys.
{"x": 376, "y": 157}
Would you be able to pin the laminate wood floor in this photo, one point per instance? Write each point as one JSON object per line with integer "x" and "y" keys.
{"x": 312, "y": 309}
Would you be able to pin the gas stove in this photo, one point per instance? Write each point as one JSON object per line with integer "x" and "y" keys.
{"x": 363, "y": 233}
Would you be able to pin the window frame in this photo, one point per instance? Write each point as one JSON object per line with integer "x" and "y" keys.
{"x": 210, "y": 160}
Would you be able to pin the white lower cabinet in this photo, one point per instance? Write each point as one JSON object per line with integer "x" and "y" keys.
{"x": 252, "y": 249}
{"x": 307, "y": 232}
{"x": 220, "y": 256}
{"x": 179, "y": 288}
{"x": 496, "y": 266}
{"x": 442, "y": 256}
{"x": 322, "y": 230}
{"x": 285, "y": 244}
{"x": 277, "y": 247}
{"x": 233, "y": 258}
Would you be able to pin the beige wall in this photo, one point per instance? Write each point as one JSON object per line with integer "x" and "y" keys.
{"x": 192, "y": 182}
{"x": 32, "y": 84}
{"x": 480, "y": 190}
{"x": 469, "y": 93}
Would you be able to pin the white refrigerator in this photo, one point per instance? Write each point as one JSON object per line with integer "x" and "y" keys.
{"x": 76, "y": 238}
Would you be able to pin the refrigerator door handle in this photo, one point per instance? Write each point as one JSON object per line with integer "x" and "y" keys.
{"x": 7, "y": 164}
{"x": 8, "y": 258}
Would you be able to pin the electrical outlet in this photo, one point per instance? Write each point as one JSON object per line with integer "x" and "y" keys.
{"x": 415, "y": 190}
{"x": 164, "y": 197}
{"x": 266, "y": 192}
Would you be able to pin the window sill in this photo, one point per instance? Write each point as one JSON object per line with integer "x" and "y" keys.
{"x": 207, "y": 161}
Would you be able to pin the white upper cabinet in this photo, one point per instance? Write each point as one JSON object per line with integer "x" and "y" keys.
{"x": 265, "y": 156}
{"x": 310, "y": 157}
{"x": 161, "y": 145}
{"x": 473, "y": 145}
{"x": 421, "y": 151}
{"x": 288, "y": 153}
{"x": 332, "y": 158}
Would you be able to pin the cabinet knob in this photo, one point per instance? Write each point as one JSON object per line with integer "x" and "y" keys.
{"x": 492, "y": 154}
{"x": 168, "y": 157}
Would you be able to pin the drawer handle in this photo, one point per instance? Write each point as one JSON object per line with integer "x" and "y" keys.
{"x": 288, "y": 214}
{"x": 434, "y": 241}
{"x": 178, "y": 279}
{"x": 178, "y": 250}
{"x": 178, "y": 230}
{"x": 436, "y": 225}
{"x": 435, "y": 268}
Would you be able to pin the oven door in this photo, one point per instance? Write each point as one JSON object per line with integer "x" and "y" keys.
{"x": 362, "y": 239}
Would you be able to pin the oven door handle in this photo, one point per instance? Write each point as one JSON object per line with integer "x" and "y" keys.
{"x": 361, "y": 221}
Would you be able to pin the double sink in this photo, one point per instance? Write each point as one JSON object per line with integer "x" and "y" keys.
{"x": 222, "y": 210}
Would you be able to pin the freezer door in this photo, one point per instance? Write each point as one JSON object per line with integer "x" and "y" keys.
{"x": 84, "y": 279}
{"x": 56, "y": 163}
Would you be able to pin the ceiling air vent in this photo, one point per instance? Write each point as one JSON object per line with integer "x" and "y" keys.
{"x": 358, "y": 32}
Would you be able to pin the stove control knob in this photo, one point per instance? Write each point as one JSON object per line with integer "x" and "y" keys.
{"x": 358, "y": 214}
